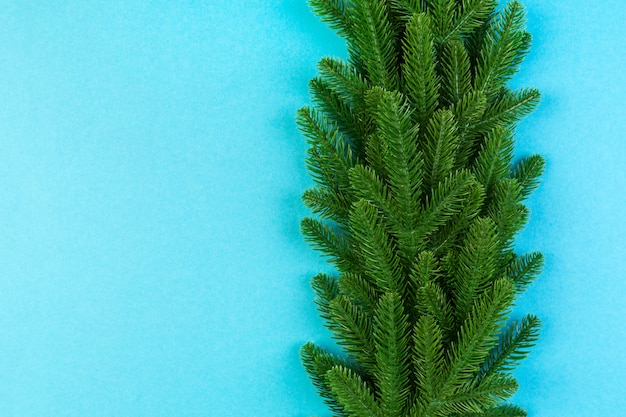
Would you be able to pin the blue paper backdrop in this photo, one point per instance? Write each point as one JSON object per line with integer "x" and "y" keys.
{"x": 150, "y": 178}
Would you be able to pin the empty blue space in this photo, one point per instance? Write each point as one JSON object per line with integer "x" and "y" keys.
{"x": 151, "y": 262}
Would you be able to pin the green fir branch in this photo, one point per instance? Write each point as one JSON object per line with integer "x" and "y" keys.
{"x": 506, "y": 210}
{"x": 514, "y": 346}
{"x": 476, "y": 264}
{"x": 361, "y": 290}
{"x": 504, "y": 47}
{"x": 488, "y": 393}
{"x": 508, "y": 108}
{"x": 439, "y": 148}
{"x": 420, "y": 67}
{"x": 445, "y": 201}
{"x": 457, "y": 72}
{"x": 469, "y": 112}
{"x": 326, "y": 289}
{"x": 345, "y": 80}
{"x": 428, "y": 357}
{"x": 404, "y": 9}
{"x": 370, "y": 187}
{"x": 376, "y": 42}
{"x": 417, "y": 204}
{"x": 446, "y": 238}
{"x": 527, "y": 173}
{"x": 471, "y": 14}
{"x": 336, "y": 14}
{"x": 434, "y": 301}
{"x": 493, "y": 162}
{"x": 329, "y": 204}
{"x": 443, "y": 13}
{"x": 317, "y": 362}
{"x": 524, "y": 269}
{"x": 404, "y": 166}
{"x": 352, "y": 327}
{"x": 431, "y": 299}
{"x": 392, "y": 335}
{"x": 352, "y": 393}
{"x": 329, "y": 157}
{"x": 330, "y": 242}
{"x": 339, "y": 111}
{"x": 478, "y": 333}
{"x": 377, "y": 251}
{"x": 403, "y": 161}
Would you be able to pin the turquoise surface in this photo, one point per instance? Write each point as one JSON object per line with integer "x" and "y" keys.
{"x": 151, "y": 262}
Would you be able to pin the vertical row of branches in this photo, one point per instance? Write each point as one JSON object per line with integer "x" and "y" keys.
{"x": 416, "y": 204}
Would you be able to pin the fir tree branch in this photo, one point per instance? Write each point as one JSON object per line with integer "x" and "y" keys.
{"x": 368, "y": 186}
{"x": 329, "y": 204}
{"x": 317, "y": 363}
{"x": 428, "y": 357}
{"x": 329, "y": 157}
{"x": 352, "y": 328}
{"x": 437, "y": 303}
{"x": 487, "y": 394}
{"x": 404, "y": 164}
{"x": 335, "y": 14}
{"x": 472, "y": 14}
{"x": 468, "y": 112}
{"x": 391, "y": 335}
{"x": 403, "y": 161}
{"x": 430, "y": 297}
{"x": 514, "y": 346}
{"x": 439, "y": 148}
{"x": 478, "y": 333}
{"x": 419, "y": 69}
{"x": 443, "y": 12}
{"x": 340, "y": 112}
{"x": 447, "y": 237}
{"x": 493, "y": 162}
{"x": 353, "y": 393}
{"x": 375, "y": 247}
{"x": 508, "y": 108}
{"x": 457, "y": 74}
{"x": 326, "y": 289}
{"x": 444, "y": 202}
{"x": 506, "y": 210}
{"x": 411, "y": 150}
{"x": 345, "y": 80}
{"x": 375, "y": 151}
{"x": 476, "y": 265}
{"x": 375, "y": 38}
{"x": 404, "y": 9}
{"x": 505, "y": 47}
{"x": 524, "y": 269}
{"x": 325, "y": 239}
{"x": 360, "y": 290}
{"x": 527, "y": 173}
{"x": 425, "y": 269}
{"x": 501, "y": 411}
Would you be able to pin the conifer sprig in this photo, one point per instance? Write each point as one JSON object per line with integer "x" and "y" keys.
{"x": 417, "y": 205}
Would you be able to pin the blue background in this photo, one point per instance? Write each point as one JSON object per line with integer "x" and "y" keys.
{"x": 151, "y": 262}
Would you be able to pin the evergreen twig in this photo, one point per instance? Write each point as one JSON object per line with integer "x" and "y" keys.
{"x": 417, "y": 205}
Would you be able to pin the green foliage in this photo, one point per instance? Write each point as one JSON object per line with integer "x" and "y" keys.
{"x": 374, "y": 38}
{"x": 392, "y": 339}
{"x": 505, "y": 45}
{"x": 317, "y": 363}
{"x": 352, "y": 393}
{"x": 419, "y": 71}
{"x": 416, "y": 203}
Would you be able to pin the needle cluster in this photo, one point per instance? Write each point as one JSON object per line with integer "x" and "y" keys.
{"x": 416, "y": 204}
